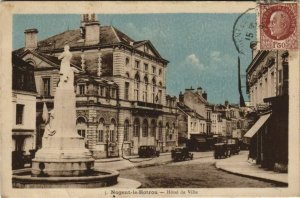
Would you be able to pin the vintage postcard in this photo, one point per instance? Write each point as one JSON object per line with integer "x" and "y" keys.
{"x": 149, "y": 99}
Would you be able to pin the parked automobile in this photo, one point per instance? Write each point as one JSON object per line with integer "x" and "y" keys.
{"x": 233, "y": 144}
{"x": 221, "y": 150}
{"x": 181, "y": 153}
{"x": 148, "y": 151}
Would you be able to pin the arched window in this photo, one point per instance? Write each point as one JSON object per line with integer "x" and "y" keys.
{"x": 112, "y": 132}
{"x": 160, "y": 131}
{"x": 126, "y": 130}
{"x": 145, "y": 128}
{"x": 153, "y": 128}
{"x": 136, "y": 86}
{"x": 100, "y": 131}
{"x": 136, "y": 128}
{"x": 167, "y": 131}
{"x": 145, "y": 93}
{"x": 81, "y": 126}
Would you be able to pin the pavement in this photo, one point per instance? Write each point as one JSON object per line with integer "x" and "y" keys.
{"x": 236, "y": 164}
{"x": 239, "y": 165}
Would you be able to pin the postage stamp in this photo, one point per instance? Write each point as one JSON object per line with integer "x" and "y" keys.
{"x": 278, "y": 26}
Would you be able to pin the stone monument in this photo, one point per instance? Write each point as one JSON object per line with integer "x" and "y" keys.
{"x": 63, "y": 152}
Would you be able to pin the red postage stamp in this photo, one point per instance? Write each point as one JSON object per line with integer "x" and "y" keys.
{"x": 278, "y": 26}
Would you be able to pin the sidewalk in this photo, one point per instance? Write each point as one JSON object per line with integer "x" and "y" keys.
{"x": 238, "y": 164}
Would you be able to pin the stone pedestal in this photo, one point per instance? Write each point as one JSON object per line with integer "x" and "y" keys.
{"x": 64, "y": 153}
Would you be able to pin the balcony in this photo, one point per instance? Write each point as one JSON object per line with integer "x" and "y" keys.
{"x": 147, "y": 105}
{"x": 146, "y": 109}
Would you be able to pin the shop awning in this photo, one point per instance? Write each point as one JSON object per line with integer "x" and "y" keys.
{"x": 257, "y": 126}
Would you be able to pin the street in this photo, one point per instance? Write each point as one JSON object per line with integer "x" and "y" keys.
{"x": 162, "y": 172}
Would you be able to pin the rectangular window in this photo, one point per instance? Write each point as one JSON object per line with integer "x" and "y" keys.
{"x": 100, "y": 137}
{"x": 46, "y": 86}
{"x": 160, "y": 96}
{"x": 19, "y": 113}
{"x": 126, "y": 94}
{"x": 81, "y": 89}
{"x": 101, "y": 90}
{"x": 153, "y": 69}
{"x": 159, "y": 72}
{"x": 137, "y": 64}
{"x": 107, "y": 92}
{"x": 81, "y": 132}
{"x": 113, "y": 93}
{"x": 146, "y": 66}
{"x": 126, "y": 131}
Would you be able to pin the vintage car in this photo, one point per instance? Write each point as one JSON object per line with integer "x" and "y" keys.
{"x": 233, "y": 146}
{"x": 221, "y": 150}
{"x": 181, "y": 153}
{"x": 148, "y": 151}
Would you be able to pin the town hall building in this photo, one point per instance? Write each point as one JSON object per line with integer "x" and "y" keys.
{"x": 121, "y": 98}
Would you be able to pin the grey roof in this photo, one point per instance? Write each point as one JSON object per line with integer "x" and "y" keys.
{"x": 189, "y": 111}
{"x": 23, "y": 75}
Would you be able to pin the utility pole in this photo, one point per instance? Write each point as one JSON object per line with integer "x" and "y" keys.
{"x": 242, "y": 101}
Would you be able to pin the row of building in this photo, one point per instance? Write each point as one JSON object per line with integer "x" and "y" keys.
{"x": 121, "y": 99}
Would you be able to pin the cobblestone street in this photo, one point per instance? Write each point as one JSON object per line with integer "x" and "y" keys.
{"x": 199, "y": 173}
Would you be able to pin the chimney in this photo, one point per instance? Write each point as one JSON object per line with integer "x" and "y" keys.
{"x": 226, "y": 103}
{"x": 204, "y": 95}
{"x": 253, "y": 46}
{"x": 199, "y": 91}
{"x": 90, "y": 29}
{"x": 31, "y": 38}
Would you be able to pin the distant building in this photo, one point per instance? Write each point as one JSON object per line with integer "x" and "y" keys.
{"x": 196, "y": 124}
{"x": 24, "y": 110}
{"x": 197, "y": 101}
{"x": 216, "y": 126}
{"x": 121, "y": 88}
{"x": 267, "y": 82}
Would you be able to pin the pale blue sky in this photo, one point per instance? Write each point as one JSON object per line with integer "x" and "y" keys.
{"x": 199, "y": 46}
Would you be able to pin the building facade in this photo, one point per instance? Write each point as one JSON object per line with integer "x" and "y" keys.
{"x": 195, "y": 123}
{"x": 121, "y": 96}
{"x": 268, "y": 90}
{"x": 24, "y": 110}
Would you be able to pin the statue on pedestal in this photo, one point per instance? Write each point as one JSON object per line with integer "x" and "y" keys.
{"x": 66, "y": 71}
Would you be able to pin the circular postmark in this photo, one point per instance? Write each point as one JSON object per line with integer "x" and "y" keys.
{"x": 278, "y": 22}
{"x": 244, "y": 31}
